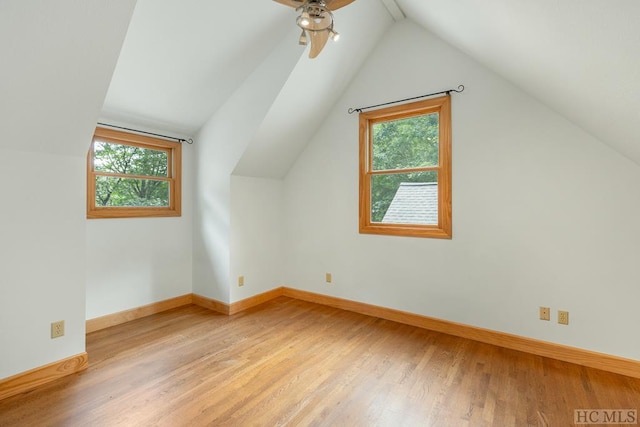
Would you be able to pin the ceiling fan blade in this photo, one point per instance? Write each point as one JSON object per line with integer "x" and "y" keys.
{"x": 318, "y": 39}
{"x": 291, "y": 3}
{"x": 337, "y": 4}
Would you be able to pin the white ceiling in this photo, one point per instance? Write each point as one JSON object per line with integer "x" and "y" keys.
{"x": 182, "y": 59}
{"x": 580, "y": 57}
{"x": 312, "y": 89}
{"x": 53, "y": 77}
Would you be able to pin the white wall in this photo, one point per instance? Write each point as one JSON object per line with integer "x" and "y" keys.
{"x": 543, "y": 213}
{"x": 219, "y": 146}
{"x": 52, "y": 84}
{"x": 42, "y": 258}
{"x": 256, "y": 235}
{"x": 133, "y": 262}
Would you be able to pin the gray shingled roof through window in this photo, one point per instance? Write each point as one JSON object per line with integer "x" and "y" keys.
{"x": 414, "y": 203}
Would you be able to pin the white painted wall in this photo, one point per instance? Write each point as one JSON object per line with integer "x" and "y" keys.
{"x": 57, "y": 59}
{"x": 219, "y": 146}
{"x": 133, "y": 262}
{"x": 41, "y": 258}
{"x": 256, "y": 235}
{"x": 543, "y": 213}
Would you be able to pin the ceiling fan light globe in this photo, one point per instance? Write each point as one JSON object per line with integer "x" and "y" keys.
{"x": 304, "y": 19}
{"x": 303, "y": 39}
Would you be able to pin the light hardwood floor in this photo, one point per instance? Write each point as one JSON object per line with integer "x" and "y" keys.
{"x": 289, "y": 362}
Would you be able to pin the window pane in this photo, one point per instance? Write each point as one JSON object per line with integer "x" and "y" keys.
{"x": 129, "y": 160}
{"x": 126, "y": 192}
{"x": 405, "y": 198}
{"x": 406, "y": 143}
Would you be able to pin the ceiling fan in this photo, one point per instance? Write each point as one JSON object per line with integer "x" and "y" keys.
{"x": 316, "y": 21}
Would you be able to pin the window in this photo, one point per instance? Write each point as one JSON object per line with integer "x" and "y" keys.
{"x": 130, "y": 175}
{"x": 405, "y": 169}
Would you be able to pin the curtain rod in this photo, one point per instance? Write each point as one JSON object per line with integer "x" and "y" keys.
{"x": 359, "y": 110}
{"x": 188, "y": 141}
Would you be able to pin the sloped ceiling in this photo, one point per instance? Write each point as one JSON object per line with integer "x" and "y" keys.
{"x": 53, "y": 76}
{"x": 580, "y": 57}
{"x": 182, "y": 59}
{"x": 312, "y": 89}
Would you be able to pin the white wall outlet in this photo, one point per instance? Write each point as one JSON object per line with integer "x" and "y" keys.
{"x": 563, "y": 317}
{"x": 328, "y": 278}
{"x": 240, "y": 280}
{"x": 57, "y": 329}
{"x": 545, "y": 313}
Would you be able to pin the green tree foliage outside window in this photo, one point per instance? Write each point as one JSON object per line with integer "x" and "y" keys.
{"x": 137, "y": 162}
{"x": 402, "y": 144}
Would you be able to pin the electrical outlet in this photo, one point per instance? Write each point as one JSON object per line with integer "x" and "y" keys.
{"x": 328, "y": 277}
{"x": 240, "y": 280}
{"x": 563, "y": 317}
{"x": 545, "y": 313}
{"x": 57, "y": 329}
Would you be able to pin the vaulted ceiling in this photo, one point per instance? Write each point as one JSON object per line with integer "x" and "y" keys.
{"x": 182, "y": 59}
{"x": 579, "y": 57}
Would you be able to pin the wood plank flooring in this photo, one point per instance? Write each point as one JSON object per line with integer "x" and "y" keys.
{"x": 293, "y": 363}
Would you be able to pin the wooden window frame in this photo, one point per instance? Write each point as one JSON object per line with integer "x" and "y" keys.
{"x": 440, "y": 105}
{"x": 174, "y": 176}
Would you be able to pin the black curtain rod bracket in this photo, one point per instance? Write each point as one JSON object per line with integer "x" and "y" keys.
{"x": 359, "y": 110}
{"x": 188, "y": 141}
